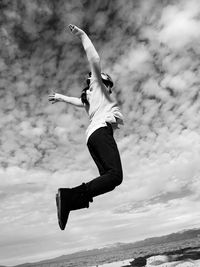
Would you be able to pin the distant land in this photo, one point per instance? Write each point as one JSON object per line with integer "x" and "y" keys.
{"x": 118, "y": 251}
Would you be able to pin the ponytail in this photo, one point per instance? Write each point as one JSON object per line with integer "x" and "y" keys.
{"x": 84, "y": 96}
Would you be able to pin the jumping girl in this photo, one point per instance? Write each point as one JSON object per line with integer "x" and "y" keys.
{"x": 105, "y": 116}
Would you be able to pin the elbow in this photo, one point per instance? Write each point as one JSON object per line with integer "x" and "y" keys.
{"x": 95, "y": 59}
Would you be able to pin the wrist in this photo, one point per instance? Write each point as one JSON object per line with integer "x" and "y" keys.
{"x": 83, "y": 35}
{"x": 59, "y": 97}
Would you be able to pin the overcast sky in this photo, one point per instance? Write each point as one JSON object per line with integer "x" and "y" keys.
{"x": 151, "y": 48}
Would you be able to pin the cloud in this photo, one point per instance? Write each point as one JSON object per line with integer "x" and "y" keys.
{"x": 180, "y": 25}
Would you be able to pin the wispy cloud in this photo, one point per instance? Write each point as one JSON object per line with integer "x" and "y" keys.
{"x": 151, "y": 49}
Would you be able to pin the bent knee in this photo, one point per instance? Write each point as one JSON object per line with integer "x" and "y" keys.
{"x": 117, "y": 176}
{"x": 119, "y": 179}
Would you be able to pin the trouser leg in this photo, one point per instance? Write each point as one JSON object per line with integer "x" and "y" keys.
{"x": 104, "y": 151}
{"x": 96, "y": 159}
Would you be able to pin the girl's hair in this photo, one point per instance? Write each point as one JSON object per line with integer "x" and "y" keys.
{"x": 108, "y": 85}
{"x": 84, "y": 96}
{"x": 107, "y": 80}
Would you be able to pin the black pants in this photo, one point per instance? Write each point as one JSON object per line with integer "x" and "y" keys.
{"x": 104, "y": 151}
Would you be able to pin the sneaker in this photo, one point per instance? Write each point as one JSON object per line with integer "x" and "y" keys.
{"x": 62, "y": 210}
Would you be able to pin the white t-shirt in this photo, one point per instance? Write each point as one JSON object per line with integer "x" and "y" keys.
{"x": 101, "y": 108}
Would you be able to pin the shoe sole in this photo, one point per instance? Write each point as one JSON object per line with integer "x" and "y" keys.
{"x": 58, "y": 204}
{"x": 59, "y": 212}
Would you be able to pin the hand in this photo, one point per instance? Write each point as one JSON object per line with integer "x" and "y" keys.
{"x": 54, "y": 98}
{"x": 75, "y": 30}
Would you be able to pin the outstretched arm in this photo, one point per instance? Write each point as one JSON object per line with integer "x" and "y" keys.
{"x": 54, "y": 98}
{"x": 91, "y": 53}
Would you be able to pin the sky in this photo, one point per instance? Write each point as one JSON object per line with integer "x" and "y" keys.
{"x": 151, "y": 50}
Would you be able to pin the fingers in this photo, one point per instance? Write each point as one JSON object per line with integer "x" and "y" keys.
{"x": 52, "y": 98}
{"x": 71, "y": 27}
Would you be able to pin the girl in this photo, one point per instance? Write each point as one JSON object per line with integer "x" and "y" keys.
{"x": 104, "y": 115}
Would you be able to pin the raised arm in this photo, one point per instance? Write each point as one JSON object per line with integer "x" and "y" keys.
{"x": 55, "y": 97}
{"x": 91, "y": 53}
